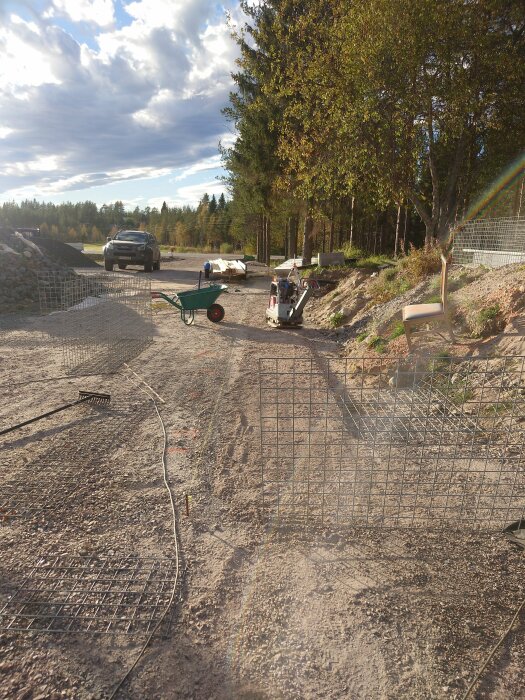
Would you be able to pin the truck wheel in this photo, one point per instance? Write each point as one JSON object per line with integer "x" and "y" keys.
{"x": 148, "y": 266}
{"x": 156, "y": 266}
{"x": 121, "y": 266}
{"x": 108, "y": 265}
{"x": 215, "y": 313}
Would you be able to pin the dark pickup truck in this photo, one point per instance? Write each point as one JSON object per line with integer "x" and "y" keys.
{"x": 132, "y": 248}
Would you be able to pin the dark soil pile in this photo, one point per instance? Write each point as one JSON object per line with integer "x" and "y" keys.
{"x": 64, "y": 254}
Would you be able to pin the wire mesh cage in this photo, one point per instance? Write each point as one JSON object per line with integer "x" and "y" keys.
{"x": 99, "y": 320}
{"x": 436, "y": 442}
{"x": 491, "y": 242}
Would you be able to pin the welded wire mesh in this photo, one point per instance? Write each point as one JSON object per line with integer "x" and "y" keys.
{"x": 99, "y": 320}
{"x": 491, "y": 242}
{"x": 429, "y": 441}
{"x": 88, "y": 594}
{"x": 20, "y": 499}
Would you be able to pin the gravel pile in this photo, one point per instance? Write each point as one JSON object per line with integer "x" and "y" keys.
{"x": 20, "y": 263}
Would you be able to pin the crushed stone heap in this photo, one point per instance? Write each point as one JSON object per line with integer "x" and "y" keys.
{"x": 22, "y": 259}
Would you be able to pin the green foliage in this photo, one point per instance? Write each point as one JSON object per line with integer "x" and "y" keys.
{"x": 336, "y": 319}
{"x": 373, "y": 261}
{"x": 486, "y": 322}
{"x": 499, "y": 408}
{"x": 460, "y": 281}
{"x": 457, "y": 390}
{"x": 362, "y": 336}
{"x": 397, "y": 330}
{"x": 226, "y": 248}
{"x": 331, "y": 104}
{"x": 420, "y": 263}
{"x": 350, "y": 251}
{"x": 489, "y": 313}
{"x": 378, "y": 343}
{"x": 388, "y": 285}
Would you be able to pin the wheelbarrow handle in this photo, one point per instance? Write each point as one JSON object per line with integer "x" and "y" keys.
{"x": 161, "y": 295}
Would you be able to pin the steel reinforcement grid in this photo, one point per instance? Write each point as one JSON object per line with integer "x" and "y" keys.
{"x": 430, "y": 442}
{"x": 491, "y": 242}
{"x": 100, "y": 320}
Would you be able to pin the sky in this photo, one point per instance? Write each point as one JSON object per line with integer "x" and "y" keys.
{"x": 107, "y": 100}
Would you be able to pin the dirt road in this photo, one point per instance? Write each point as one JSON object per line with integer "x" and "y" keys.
{"x": 260, "y": 613}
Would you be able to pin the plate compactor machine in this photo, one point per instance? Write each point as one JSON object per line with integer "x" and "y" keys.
{"x": 288, "y": 297}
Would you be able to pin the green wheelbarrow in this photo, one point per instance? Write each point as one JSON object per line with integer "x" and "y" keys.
{"x": 189, "y": 302}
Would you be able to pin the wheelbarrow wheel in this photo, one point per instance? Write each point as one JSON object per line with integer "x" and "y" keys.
{"x": 215, "y": 313}
{"x": 188, "y": 317}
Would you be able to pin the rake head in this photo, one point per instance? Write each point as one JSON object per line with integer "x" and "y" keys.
{"x": 94, "y": 398}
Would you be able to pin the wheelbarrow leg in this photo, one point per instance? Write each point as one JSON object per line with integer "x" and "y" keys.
{"x": 188, "y": 317}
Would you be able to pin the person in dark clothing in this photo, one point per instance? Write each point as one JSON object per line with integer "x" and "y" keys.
{"x": 207, "y": 269}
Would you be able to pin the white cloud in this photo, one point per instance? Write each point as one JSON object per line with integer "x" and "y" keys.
{"x": 32, "y": 26}
{"x": 99, "y": 12}
{"x": 185, "y": 17}
{"x": 42, "y": 164}
{"x": 213, "y": 59}
{"x": 192, "y": 194}
{"x": 157, "y": 202}
{"x": 207, "y": 164}
{"x": 130, "y": 203}
{"x": 25, "y": 59}
{"x": 135, "y": 101}
{"x": 138, "y": 173}
{"x": 76, "y": 182}
{"x": 157, "y": 113}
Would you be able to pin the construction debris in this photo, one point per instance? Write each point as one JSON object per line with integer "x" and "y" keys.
{"x": 228, "y": 268}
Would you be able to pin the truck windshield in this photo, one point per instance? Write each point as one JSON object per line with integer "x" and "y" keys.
{"x": 136, "y": 236}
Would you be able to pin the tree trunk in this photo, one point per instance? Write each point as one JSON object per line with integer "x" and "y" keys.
{"x": 404, "y": 247}
{"x": 260, "y": 226}
{"x": 307, "y": 235}
{"x": 332, "y": 228}
{"x": 396, "y": 242}
{"x": 292, "y": 247}
{"x": 340, "y": 232}
{"x": 519, "y": 199}
{"x": 287, "y": 239}
{"x": 268, "y": 236}
{"x": 264, "y": 242}
{"x": 351, "y": 241}
{"x": 438, "y": 220}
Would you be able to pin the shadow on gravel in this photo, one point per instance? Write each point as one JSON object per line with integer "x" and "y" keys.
{"x": 275, "y": 336}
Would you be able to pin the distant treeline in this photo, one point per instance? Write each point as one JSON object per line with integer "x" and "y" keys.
{"x": 209, "y": 225}
{"x": 219, "y": 224}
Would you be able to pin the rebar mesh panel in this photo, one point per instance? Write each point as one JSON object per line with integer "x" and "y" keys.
{"x": 99, "y": 320}
{"x": 491, "y": 242}
{"x": 89, "y": 594}
{"x": 25, "y": 500}
{"x": 429, "y": 441}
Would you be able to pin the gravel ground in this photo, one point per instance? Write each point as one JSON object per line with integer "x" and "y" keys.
{"x": 259, "y": 613}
